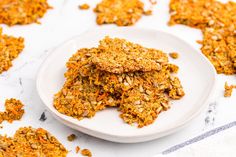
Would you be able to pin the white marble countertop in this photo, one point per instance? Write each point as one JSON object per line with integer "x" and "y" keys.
{"x": 66, "y": 21}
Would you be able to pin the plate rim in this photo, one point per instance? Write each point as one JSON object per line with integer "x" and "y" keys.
{"x": 67, "y": 119}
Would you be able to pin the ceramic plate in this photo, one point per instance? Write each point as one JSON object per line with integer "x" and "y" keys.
{"x": 197, "y": 76}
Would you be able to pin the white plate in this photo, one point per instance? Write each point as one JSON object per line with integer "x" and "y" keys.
{"x": 196, "y": 74}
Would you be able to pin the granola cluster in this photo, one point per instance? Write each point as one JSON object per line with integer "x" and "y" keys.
{"x": 228, "y": 89}
{"x": 10, "y": 48}
{"x": 13, "y": 111}
{"x": 118, "y": 73}
{"x": 13, "y": 12}
{"x": 218, "y": 23}
{"x": 30, "y": 142}
{"x": 119, "y": 12}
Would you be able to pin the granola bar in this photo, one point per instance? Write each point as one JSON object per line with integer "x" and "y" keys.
{"x": 29, "y": 142}
{"x": 13, "y": 12}
{"x": 10, "y": 48}
{"x": 119, "y": 12}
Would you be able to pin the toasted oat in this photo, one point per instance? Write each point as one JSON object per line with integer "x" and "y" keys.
{"x": 13, "y": 12}
{"x": 119, "y": 12}
{"x": 228, "y": 89}
{"x": 140, "y": 95}
{"x": 84, "y": 6}
{"x": 10, "y": 48}
{"x": 218, "y": 23}
{"x": 77, "y": 149}
{"x": 174, "y": 55}
{"x": 147, "y": 12}
{"x": 119, "y": 56}
{"x": 86, "y": 152}
{"x": 71, "y": 137}
{"x": 29, "y": 142}
{"x": 13, "y": 111}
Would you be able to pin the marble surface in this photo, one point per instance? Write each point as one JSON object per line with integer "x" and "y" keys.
{"x": 66, "y": 21}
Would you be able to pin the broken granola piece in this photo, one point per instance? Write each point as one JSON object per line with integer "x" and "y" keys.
{"x": 84, "y": 6}
{"x": 10, "y": 48}
{"x": 147, "y": 12}
{"x": 28, "y": 141}
{"x": 217, "y": 21}
{"x": 86, "y": 152}
{"x": 77, "y": 149}
{"x": 71, "y": 137}
{"x": 119, "y": 12}
{"x": 13, "y": 12}
{"x": 13, "y": 111}
{"x": 228, "y": 89}
{"x": 119, "y": 56}
{"x": 174, "y": 55}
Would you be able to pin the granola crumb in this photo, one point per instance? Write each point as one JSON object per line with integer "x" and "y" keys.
{"x": 84, "y": 6}
{"x": 10, "y": 48}
{"x": 86, "y": 152}
{"x": 147, "y": 12}
{"x": 21, "y": 12}
{"x": 71, "y": 137}
{"x": 28, "y": 141}
{"x": 228, "y": 90}
{"x": 174, "y": 55}
{"x": 13, "y": 111}
{"x": 77, "y": 149}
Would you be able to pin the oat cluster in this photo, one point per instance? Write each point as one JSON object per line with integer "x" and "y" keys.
{"x": 218, "y": 23}
{"x": 118, "y": 73}
{"x": 228, "y": 89}
{"x": 13, "y": 111}
{"x": 30, "y": 142}
{"x": 13, "y": 12}
{"x": 84, "y": 6}
{"x": 10, "y": 48}
{"x": 119, "y": 12}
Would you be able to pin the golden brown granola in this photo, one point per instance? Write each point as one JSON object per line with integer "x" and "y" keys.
{"x": 71, "y": 137}
{"x": 86, "y": 152}
{"x": 228, "y": 89}
{"x": 30, "y": 142}
{"x": 13, "y": 111}
{"x": 174, "y": 55}
{"x": 139, "y": 92}
{"x": 10, "y": 48}
{"x": 84, "y": 6}
{"x": 77, "y": 149}
{"x": 119, "y": 12}
{"x": 218, "y": 23}
{"x": 13, "y": 12}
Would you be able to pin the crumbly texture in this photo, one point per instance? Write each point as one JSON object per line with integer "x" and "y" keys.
{"x": 13, "y": 12}
{"x": 174, "y": 55}
{"x": 13, "y": 111}
{"x": 84, "y": 6}
{"x": 29, "y": 142}
{"x": 228, "y": 89}
{"x": 71, "y": 137}
{"x": 86, "y": 152}
{"x": 218, "y": 23}
{"x": 119, "y": 12}
{"x": 10, "y": 48}
{"x": 139, "y": 94}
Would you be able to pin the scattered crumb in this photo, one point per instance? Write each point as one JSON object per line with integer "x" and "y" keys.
{"x": 43, "y": 117}
{"x": 174, "y": 55}
{"x": 77, "y": 149}
{"x": 10, "y": 48}
{"x": 84, "y": 6}
{"x": 147, "y": 12}
{"x": 13, "y": 12}
{"x": 86, "y": 152}
{"x": 13, "y": 111}
{"x": 228, "y": 89}
{"x": 71, "y": 137}
{"x": 30, "y": 142}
